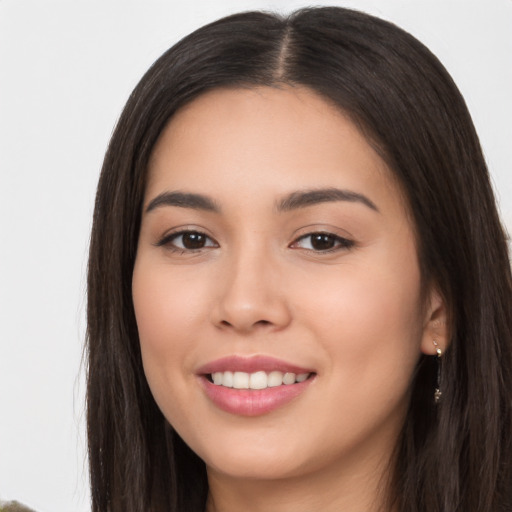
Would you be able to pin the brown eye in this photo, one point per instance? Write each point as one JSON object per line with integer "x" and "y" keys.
{"x": 193, "y": 240}
{"x": 187, "y": 241}
{"x": 322, "y": 242}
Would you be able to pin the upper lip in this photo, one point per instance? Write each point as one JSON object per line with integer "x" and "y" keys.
{"x": 251, "y": 364}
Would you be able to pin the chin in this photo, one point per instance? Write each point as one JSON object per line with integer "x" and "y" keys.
{"x": 257, "y": 467}
{"x": 253, "y": 459}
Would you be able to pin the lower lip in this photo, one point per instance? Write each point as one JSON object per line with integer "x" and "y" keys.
{"x": 253, "y": 402}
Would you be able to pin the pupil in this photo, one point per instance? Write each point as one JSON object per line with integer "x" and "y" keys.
{"x": 321, "y": 242}
{"x": 193, "y": 240}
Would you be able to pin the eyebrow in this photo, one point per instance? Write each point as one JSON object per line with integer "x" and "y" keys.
{"x": 183, "y": 200}
{"x": 305, "y": 198}
{"x": 293, "y": 201}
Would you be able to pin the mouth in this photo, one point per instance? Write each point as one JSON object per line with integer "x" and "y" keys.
{"x": 256, "y": 380}
{"x": 253, "y": 386}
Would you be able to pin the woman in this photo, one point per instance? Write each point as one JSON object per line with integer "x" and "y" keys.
{"x": 294, "y": 227}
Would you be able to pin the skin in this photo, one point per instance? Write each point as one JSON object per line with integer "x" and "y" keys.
{"x": 259, "y": 287}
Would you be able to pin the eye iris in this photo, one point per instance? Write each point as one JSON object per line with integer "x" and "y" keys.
{"x": 322, "y": 242}
{"x": 193, "y": 240}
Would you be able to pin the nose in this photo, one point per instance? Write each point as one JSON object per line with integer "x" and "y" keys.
{"x": 252, "y": 295}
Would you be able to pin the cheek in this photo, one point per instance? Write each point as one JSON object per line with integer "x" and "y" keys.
{"x": 166, "y": 305}
{"x": 166, "y": 308}
{"x": 380, "y": 307}
{"x": 370, "y": 319}
{"x": 368, "y": 323}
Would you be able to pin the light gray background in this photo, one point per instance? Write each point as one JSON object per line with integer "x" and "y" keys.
{"x": 66, "y": 69}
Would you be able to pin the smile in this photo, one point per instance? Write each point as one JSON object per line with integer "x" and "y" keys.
{"x": 257, "y": 380}
{"x": 252, "y": 386}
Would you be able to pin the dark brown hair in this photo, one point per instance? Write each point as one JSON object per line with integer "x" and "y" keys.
{"x": 455, "y": 456}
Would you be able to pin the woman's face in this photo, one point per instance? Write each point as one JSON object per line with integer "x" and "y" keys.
{"x": 275, "y": 247}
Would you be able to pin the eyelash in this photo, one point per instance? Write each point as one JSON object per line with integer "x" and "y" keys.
{"x": 168, "y": 241}
{"x": 340, "y": 242}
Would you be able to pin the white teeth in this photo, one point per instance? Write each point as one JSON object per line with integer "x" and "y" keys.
{"x": 257, "y": 380}
{"x": 241, "y": 380}
{"x": 275, "y": 379}
{"x": 289, "y": 378}
{"x": 227, "y": 379}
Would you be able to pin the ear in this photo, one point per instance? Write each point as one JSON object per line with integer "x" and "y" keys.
{"x": 435, "y": 324}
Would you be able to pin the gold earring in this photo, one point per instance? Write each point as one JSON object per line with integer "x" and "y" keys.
{"x": 437, "y": 391}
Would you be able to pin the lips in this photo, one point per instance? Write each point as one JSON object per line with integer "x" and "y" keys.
{"x": 251, "y": 365}
{"x": 251, "y": 386}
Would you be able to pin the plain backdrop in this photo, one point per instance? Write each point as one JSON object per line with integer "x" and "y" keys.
{"x": 66, "y": 69}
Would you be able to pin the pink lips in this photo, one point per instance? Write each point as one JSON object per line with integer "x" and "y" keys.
{"x": 249, "y": 402}
{"x": 250, "y": 365}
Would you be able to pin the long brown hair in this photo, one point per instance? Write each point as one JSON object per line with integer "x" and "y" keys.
{"x": 456, "y": 456}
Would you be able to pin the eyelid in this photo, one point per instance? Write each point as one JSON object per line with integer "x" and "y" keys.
{"x": 169, "y": 236}
{"x": 342, "y": 242}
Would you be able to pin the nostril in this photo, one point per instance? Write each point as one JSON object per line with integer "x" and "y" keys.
{"x": 225, "y": 323}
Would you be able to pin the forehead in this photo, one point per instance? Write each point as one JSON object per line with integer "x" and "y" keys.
{"x": 265, "y": 139}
